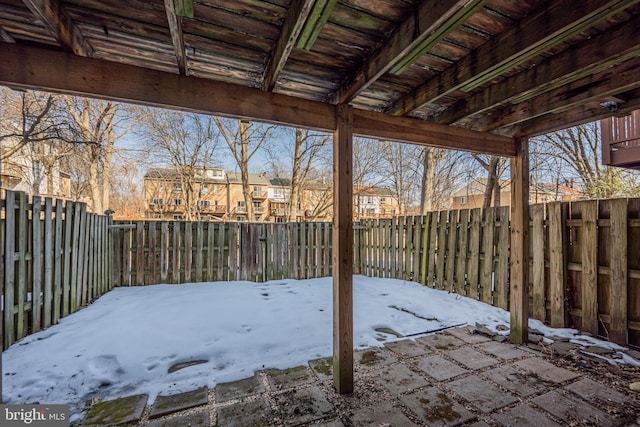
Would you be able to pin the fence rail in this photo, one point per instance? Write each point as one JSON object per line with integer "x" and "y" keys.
{"x": 585, "y": 258}
{"x": 54, "y": 260}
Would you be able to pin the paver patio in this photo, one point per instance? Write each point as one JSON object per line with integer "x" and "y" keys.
{"x": 446, "y": 379}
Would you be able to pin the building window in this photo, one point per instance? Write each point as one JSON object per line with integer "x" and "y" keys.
{"x": 241, "y": 204}
{"x": 161, "y": 186}
{"x": 204, "y": 188}
{"x": 177, "y": 202}
{"x": 382, "y": 211}
{"x": 205, "y": 218}
{"x": 215, "y": 189}
{"x": 393, "y": 211}
{"x": 157, "y": 201}
{"x": 463, "y": 200}
{"x": 157, "y": 216}
{"x": 178, "y": 217}
{"x": 203, "y": 204}
{"x": 383, "y": 200}
{"x": 241, "y": 218}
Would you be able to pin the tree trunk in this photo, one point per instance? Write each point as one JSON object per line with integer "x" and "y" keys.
{"x": 294, "y": 200}
{"x": 244, "y": 169}
{"x": 429, "y": 163}
{"x": 492, "y": 184}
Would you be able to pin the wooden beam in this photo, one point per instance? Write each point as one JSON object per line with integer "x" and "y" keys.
{"x": 175, "y": 28}
{"x": 293, "y": 24}
{"x": 342, "y": 251}
{"x": 5, "y": 36}
{"x": 593, "y": 88}
{"x": 413, "y": 31}
{"x": 594, "y": 55}
{"x": 56, "y": 18}
{"x": 318, "y": 17}
{"x": 22, "y": 67}
{"x": 404, "y": 129}
{"x": 531, "y": 37}
{"x": 576, "y": 116}
{"x": 519, "y": 263}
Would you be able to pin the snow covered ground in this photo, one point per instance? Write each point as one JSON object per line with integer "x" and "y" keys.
{"x": 125, "y": 342}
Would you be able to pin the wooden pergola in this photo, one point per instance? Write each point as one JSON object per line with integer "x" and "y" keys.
{"x": 476, "y": 75}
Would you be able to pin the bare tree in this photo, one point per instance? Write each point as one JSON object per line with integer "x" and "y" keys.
{"x": 402, "y": 165}
{"x": 99, "y": 124}
{"x": 368, "y": 168}
{"x": 578, "y": 150}
{"x": 244, "y": 139}
{"x": 494, "y": 166}
{"x": 309, "y": 151}
{"x": 188, "y": 143}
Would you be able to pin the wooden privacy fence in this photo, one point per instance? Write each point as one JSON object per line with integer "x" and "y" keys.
{"x": 585, "y": 258}
{"x": 150, "y": 252}
{"x": 54, "y": 260}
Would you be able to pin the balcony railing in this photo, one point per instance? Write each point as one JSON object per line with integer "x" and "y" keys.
{"x": 259, "y": 194}
{"x": 621, "y": 141}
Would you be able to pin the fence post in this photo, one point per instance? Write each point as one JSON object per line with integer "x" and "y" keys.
{"x": 618, "y": 265}
{"x": 537, "y": 272}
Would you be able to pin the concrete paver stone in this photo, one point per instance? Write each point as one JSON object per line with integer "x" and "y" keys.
{"x": 592, "y": 391}
{"x": 407, "y": 348}
{"x": 436, "y": 408}
{"x": 502, "y": 350}
{"x": 440, "y": 369}
{"x": 299, "y": 406}
{"x": 254, "y": 413}
{"x": 177, "y": 402}
{"x": 331, "y": 423}
{"x": 571, "y": 410}
{"x": 288, "y": 378}
{"x": 441, "y": 341}
{"x": 524, "y": 415}
{"x": 380, "y": 415}
{"x": 373, "y": 358}
{"x": 466, "y": 334}
{"x": 544, "y": 370}
{"x": 472, "y": 358}
{"x": 118, "y": 411}
{"x": 237, "y": 389}
{"x": 323, "y": 368}
{"x": 481, "y": 394}
{"x": 514, "y": 380}
{"x": 399, "y": 379}
{"x": 196, "y": 419}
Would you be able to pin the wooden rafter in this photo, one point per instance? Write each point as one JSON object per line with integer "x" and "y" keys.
{"x": 20, "y": 66}
{"x": 593, "y": 88}
{"x": 531, "y": 37}
{"x": 293, "y": 24}
{"x": 175, "y": 27}
{"x": 592, "y": 56}
{"x": 59, "y": 22}
{"x": 414, "y": 31}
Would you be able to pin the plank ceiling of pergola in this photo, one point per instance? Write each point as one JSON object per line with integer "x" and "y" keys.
{"x": 501, "y": 66}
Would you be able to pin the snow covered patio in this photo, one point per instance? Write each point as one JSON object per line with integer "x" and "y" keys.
{"x": 231, "y": 347}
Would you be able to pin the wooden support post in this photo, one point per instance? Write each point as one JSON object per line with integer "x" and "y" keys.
{"x": 342, "y": 251}
{"x": 520, "y": 243}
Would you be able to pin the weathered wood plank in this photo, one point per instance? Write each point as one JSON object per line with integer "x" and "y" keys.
{"x": 618, "y": 265}
{"x": 450, "y": 261}
{"x": 557, "y": 262}
{"x": 433, "y": 236}
{"x": 58, "y": 257}
{"x": 176, "y": 252}
{"x": 139, "y": 257}
{"x": 538, "y": 239}
{"x": 441, "y": 250}
{"x": 36, "y": 263}
{"x": 473, "y": 263}
{"x": 589, "y": 249}
{"x": 49, "y": 256}
{"x": 21, "y": 269}
{"x": 9, "y": 268}
{"x": 462, "y": 251}
{"x": 486, "y": 262}
{"x": 501, "y": 287}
